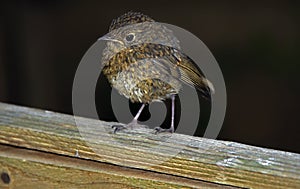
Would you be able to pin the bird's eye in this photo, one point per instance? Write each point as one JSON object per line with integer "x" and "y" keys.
{"x": 130, "y": 37}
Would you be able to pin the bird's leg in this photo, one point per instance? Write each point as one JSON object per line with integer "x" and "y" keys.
{"x": 132, "y": 124}
{"x": 171, "y": 129}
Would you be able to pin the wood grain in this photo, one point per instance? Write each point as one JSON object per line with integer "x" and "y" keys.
{"x": 198, "y": 161}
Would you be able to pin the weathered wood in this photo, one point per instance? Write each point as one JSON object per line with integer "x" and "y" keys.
{"x": 138, "y": 158}
{"x": 44, "y": 170}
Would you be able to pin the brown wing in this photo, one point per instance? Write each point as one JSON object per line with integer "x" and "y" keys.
{"x": 185, "y": 69}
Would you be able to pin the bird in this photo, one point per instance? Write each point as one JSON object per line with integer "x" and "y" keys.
{"x": 142, "y": 60}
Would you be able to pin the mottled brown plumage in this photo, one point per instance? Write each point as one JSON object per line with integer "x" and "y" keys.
{"x": 129, "y": 18}
{"x": 143, "y": 61}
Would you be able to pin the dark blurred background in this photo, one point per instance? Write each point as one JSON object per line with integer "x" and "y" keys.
{"x": 256, "y": 44}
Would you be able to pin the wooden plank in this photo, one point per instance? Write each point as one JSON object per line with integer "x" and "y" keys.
{"x": 44, "y": 170}
{"x": 192, "y": 158}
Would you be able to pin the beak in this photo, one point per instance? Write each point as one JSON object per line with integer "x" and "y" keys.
{"x": 108, "y": 37}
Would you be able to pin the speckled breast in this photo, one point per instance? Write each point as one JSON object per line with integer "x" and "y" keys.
{"x": 141, "y": 81}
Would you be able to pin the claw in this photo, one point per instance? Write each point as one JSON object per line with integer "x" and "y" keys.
{"x": 118, "y": 128}
{"x": 131, "y": 125}
{"x": 161, "y": 130}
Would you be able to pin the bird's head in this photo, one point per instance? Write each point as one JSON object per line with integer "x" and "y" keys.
{"x": 135, "y": 28}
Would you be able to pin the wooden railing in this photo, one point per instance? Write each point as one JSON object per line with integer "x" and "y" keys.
{"x": 43, "y": 149}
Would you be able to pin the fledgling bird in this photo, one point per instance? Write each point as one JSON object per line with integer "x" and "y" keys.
{"x": 143, "y": 61}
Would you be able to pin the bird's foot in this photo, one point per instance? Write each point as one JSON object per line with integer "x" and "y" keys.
{"x": 118, "y": 128}
{"x": 131, "y": 125}
{"x": 162, "y": 130}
